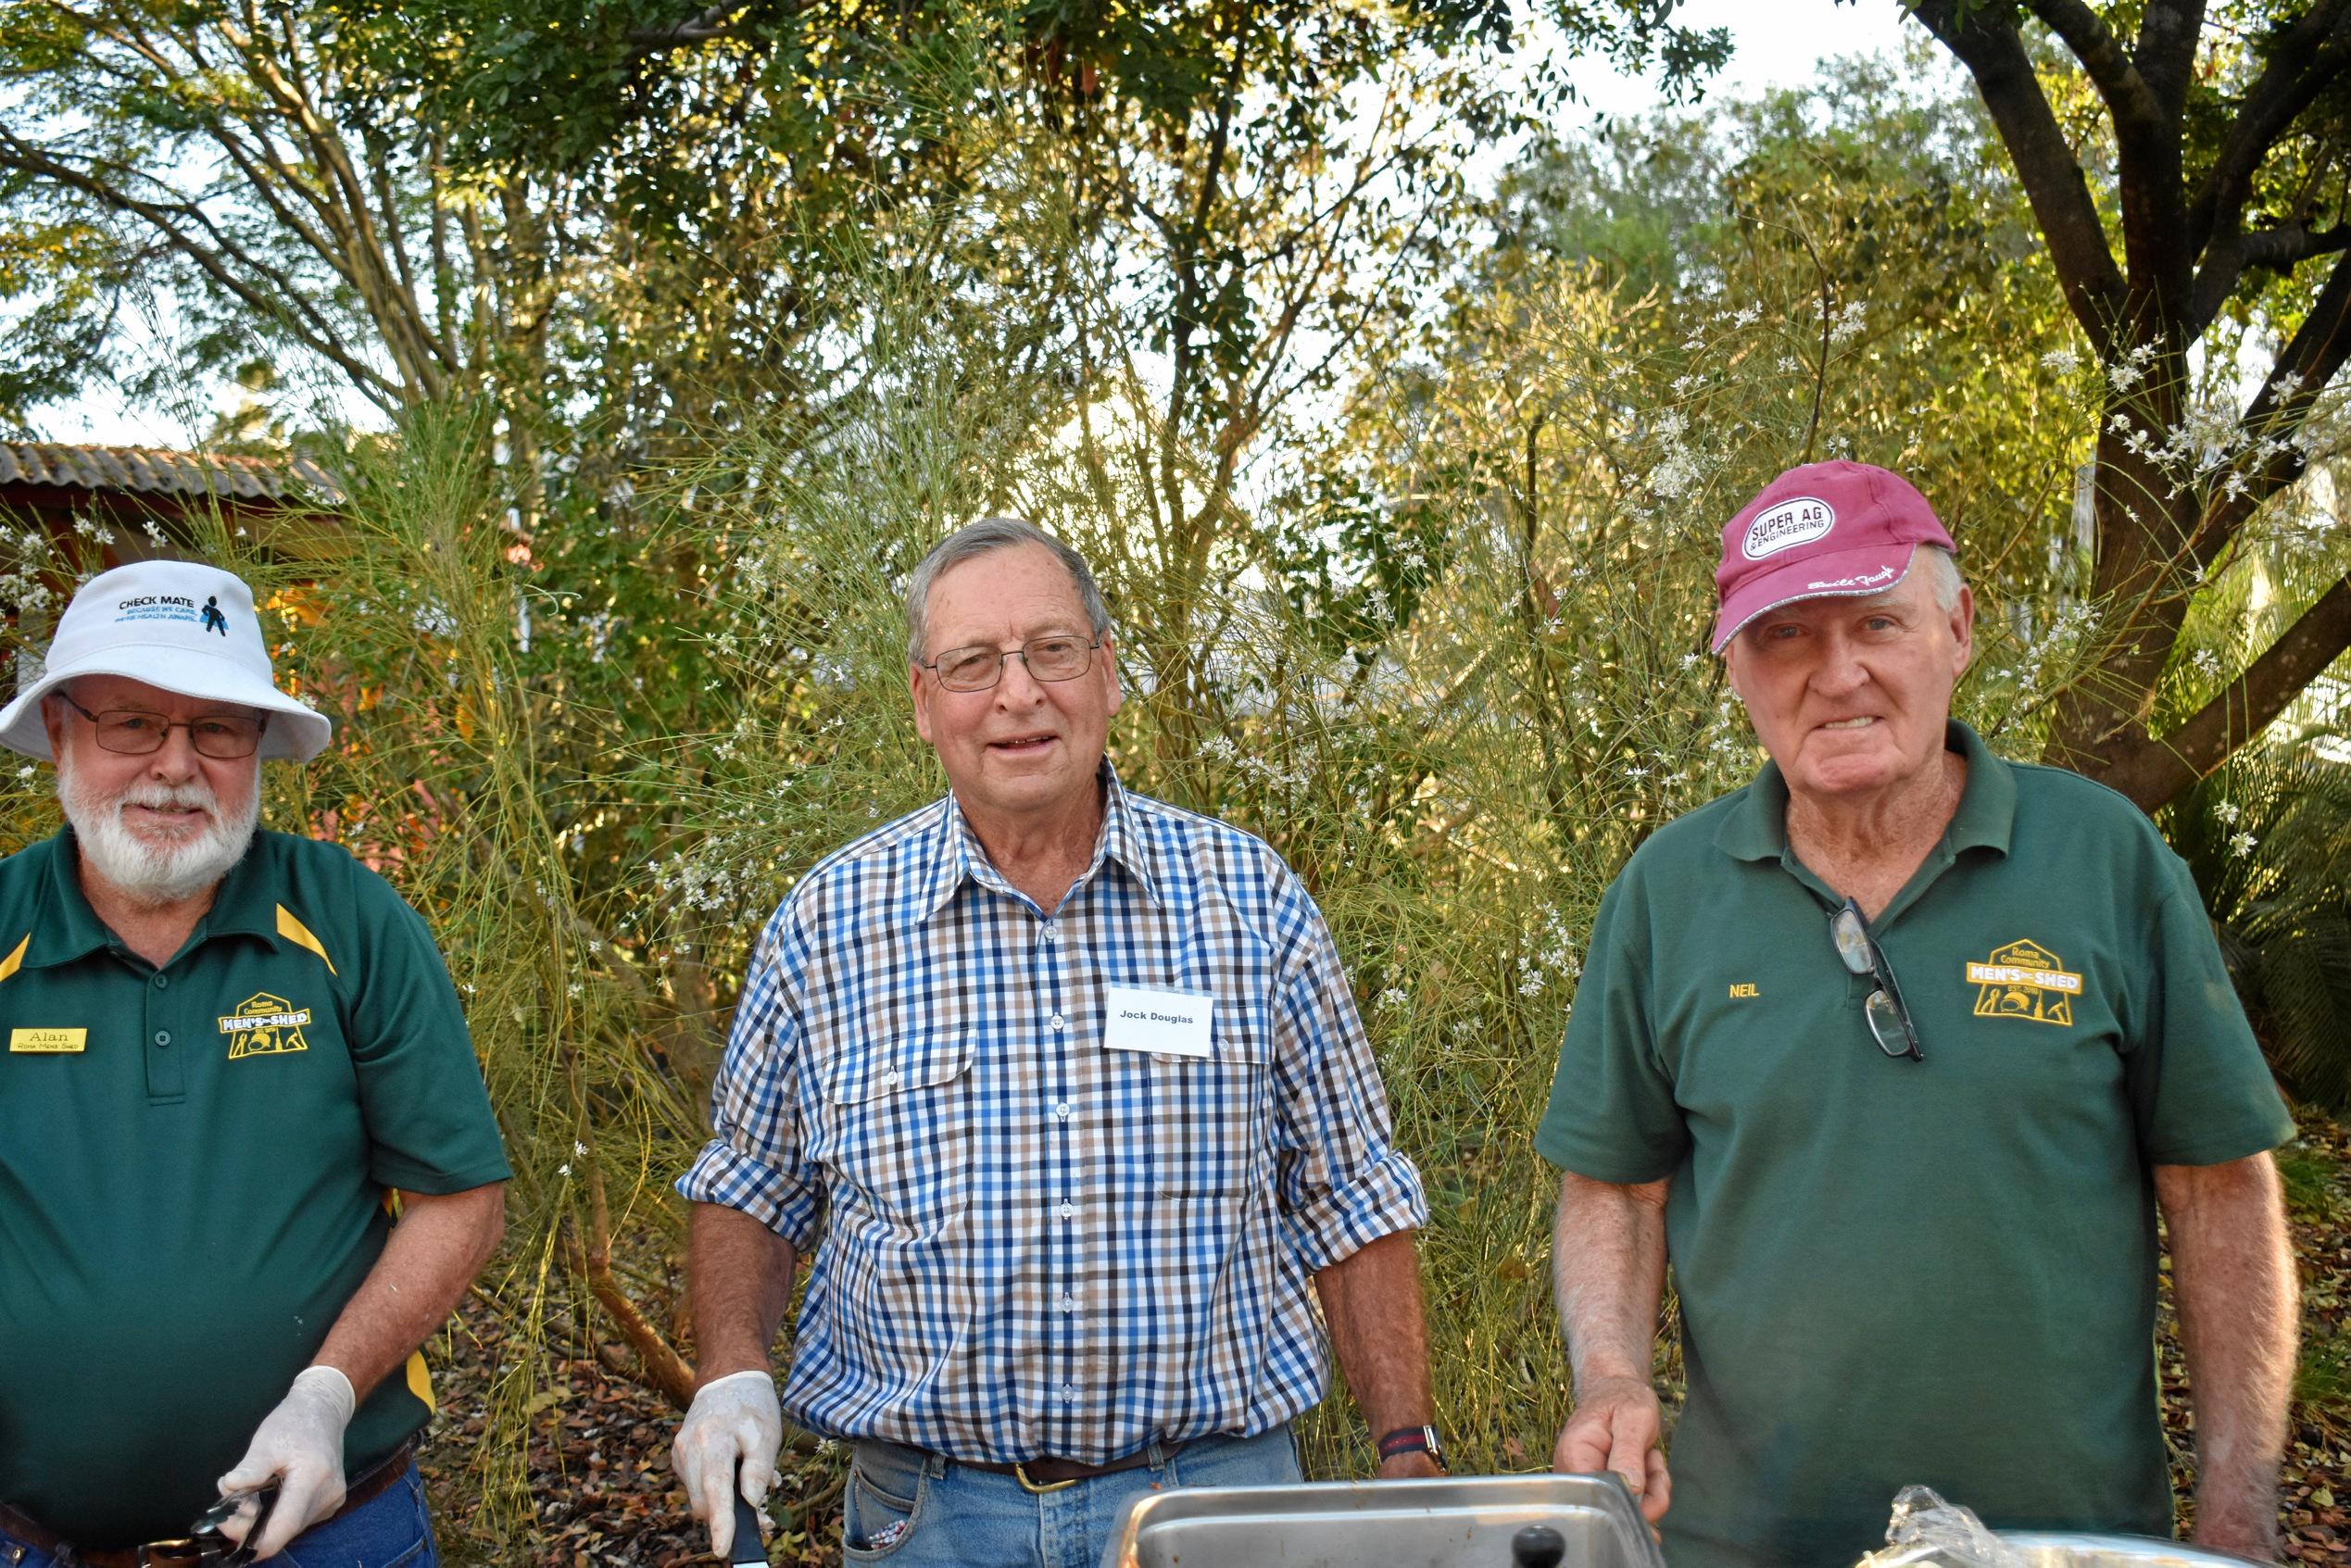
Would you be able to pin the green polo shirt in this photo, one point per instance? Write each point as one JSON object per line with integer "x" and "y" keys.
{"x": 193, "y": 1166}
{"x": 1892, "y": 1271}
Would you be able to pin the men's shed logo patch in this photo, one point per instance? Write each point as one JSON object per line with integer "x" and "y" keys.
{"x": 2025, "y": 980}
{"x": 265, "y": 1025}
{"x": 213, "y": 620}
{"x": 1787, "y": 525}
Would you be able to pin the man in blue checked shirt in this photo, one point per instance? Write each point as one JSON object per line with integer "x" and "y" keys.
{"x": 1076, "y": 1083}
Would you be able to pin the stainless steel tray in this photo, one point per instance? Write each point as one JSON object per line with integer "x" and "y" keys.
{"x": 2064, "y": 1548}
{"x": 1459, "y": 1521}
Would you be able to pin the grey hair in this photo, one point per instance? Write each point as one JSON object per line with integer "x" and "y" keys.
{"x": 1943, "y": 575}
{"x": 988, "y": 534}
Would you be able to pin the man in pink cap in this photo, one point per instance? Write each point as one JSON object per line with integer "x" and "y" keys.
{"x": 1911, "y": 1221}
{"x": 235, "y": 1056}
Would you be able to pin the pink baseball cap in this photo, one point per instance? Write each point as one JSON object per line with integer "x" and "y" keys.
{"x": 1823, "y": 531}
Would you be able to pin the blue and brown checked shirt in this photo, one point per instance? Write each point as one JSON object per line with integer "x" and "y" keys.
{"x": 1039, "y": 1246}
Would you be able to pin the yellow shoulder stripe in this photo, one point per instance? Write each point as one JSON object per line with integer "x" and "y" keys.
{"x": 419, "y": 1380}
{"x": 14, "y": 960}
{"x": 300, "y": 935}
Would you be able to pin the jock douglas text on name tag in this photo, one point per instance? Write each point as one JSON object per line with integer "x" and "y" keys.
{"x": 1158, "y": 1017}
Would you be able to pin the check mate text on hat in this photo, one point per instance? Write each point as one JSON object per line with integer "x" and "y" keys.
{"x": 1821, "y": 531}
{"x": 178, "y": 625}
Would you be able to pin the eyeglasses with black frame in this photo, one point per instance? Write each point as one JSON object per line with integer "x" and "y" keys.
{"x": 1889, "y": 1018}
{"x": 1063, "y": 656}
{"x": 224, "y": 738}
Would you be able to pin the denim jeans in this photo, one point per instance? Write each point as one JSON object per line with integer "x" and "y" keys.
{"x": 912, "y": 1510}
{"x": 389, "y": 1530}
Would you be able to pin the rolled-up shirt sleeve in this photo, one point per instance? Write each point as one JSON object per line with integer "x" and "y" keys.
{"x": 755, "y": 1161}
{"x": 1341, "y": 1180}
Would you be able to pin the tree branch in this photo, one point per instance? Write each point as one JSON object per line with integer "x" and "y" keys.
{"x": 1994, "y": 54}
{"x": 214, "y": 264}
{"x": 2146, "y": 148}
{"x": 2231, "y": 256}
{"x": 2165, "y": 55}
{"x": 2156, "y": 770}
{"x": 2307, "y": 55}
{"x": 714, "y": 23}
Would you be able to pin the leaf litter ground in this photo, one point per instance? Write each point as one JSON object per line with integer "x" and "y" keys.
{"x": 602, "y": 1493}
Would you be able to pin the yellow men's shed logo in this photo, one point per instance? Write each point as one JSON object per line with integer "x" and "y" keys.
{"x": 265, "y": 1025}
{"x": 2025, "y": 980}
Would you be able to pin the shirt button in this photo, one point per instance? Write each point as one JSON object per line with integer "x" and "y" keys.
{"x": 1056, "y": 1022}
{"x": 1069, "y": 1210}
{"x": 1069, "y": 1303}
{"x": 889, "y": 1077}
{"x": 163, "y": 1037}
{"x": 1069, "y": 1393}
{"x": 161, "y": 982}
{"x": 1051, "y": 934}
{"x": 1060, "y": 1112}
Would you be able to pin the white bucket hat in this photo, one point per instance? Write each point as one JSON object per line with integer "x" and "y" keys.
{"x": 178, "y": 625}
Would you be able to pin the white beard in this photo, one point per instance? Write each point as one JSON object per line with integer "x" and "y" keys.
{"x": 154, "y": 874}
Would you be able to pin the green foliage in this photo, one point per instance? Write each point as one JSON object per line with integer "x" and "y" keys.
{"x": 2268, "y": 838}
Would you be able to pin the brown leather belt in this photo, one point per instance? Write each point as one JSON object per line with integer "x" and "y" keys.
{"x": 371, "y": 1485}
{"x": 1052, "y": 1474}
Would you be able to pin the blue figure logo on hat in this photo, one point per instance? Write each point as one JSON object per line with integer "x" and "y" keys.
{"x": 213, "y": 620}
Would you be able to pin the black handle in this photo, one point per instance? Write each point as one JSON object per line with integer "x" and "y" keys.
{"x": 749, "y": 1547}
{"x": 1537, "y": 1545}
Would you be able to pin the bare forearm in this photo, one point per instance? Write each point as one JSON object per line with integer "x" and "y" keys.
{"x": 2232, "y": 1274}
{"x": 739, "y": 1275}
{"x": 1608, "y": 1264}
{"x": 1372, "y": 1302}
{"x": 439, "y": 1245}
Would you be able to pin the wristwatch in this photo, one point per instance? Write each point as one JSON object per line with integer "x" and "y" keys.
{"x": 1413, "y": 1440}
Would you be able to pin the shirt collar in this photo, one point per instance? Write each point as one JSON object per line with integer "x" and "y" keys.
{"x": 1756, "y": 826}
{"x": 957, "y": 854}
{"x": 65, "y": 927}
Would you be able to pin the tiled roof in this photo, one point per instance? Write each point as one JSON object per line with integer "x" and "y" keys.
{"x": 154, "y": 470}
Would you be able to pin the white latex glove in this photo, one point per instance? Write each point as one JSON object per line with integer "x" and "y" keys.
{"x": 730, "y": 1437}
{"x": 300, "y": 1443}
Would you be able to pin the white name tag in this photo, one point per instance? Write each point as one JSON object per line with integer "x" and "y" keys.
{"x": 1174, "y": 1022}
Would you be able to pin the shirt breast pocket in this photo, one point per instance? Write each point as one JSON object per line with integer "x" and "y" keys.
{"x": 1205, "y": 1119}
{"x": 903, "y": 1114}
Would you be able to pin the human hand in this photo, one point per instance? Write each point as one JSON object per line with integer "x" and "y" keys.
{"x": 300, "y": 1443}
{"x": 729, "y": 1439}
{"x": 1617, "y": 1426}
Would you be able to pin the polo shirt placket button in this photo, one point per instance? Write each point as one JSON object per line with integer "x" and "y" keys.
{"x": 163, "y": 1037}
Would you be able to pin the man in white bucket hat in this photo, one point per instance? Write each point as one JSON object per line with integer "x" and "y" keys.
{"x": 247, "y": 1165}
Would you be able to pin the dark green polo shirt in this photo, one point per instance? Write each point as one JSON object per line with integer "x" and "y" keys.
{"x": 1891, "y": 1271}
{"x": 193, "y": 1163}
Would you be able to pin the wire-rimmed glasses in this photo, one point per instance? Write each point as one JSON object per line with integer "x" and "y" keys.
{"x": 224, "y": 738}
{"x": 1061, "y": 657}
{"x": 1889, "y": 1018}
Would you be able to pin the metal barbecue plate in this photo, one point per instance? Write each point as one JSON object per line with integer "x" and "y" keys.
{"x": 2063, "y": 1548}
{"x": 1463, "y": 1522}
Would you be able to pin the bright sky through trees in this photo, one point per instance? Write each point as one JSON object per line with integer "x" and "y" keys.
{"x": 1779, "y": 43}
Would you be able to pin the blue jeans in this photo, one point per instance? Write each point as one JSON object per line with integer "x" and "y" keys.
{"x": 389, "y": 1530}
{"x": 913, "y": 1509}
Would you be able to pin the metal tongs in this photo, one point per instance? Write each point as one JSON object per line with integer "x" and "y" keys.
{"x": 205, "y": 1546}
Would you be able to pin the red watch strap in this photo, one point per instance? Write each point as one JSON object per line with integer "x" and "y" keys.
{"x": 1408, "y": 1440}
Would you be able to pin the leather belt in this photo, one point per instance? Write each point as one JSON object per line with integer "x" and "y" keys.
{"x": 371, "y": 1485}
{"x": 1052, "y": 1474}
